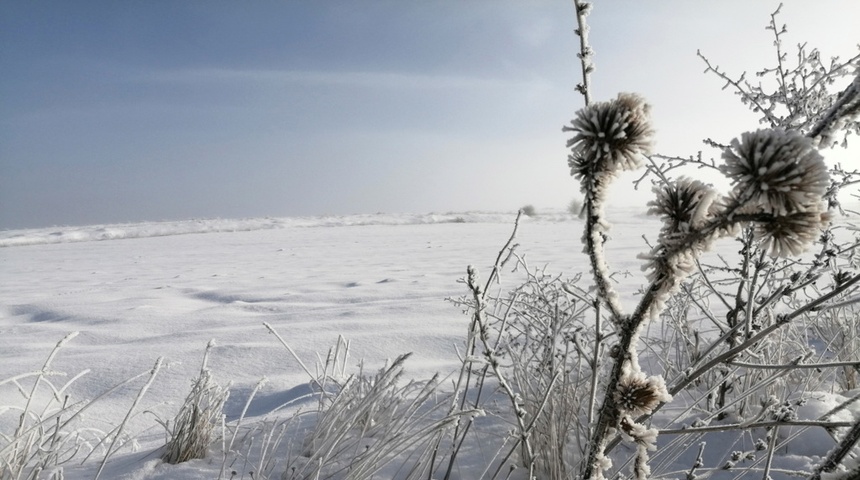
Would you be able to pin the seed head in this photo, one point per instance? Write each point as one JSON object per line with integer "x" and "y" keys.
{"x": 610, "y": 136}
{"x": 790, "y": 235}
{"x": 779, "y": 170}
{"x": 683, "y": 204}
{"x": 638, "y": 395}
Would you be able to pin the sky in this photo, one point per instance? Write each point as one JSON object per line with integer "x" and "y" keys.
{"x": 168, "y": 110}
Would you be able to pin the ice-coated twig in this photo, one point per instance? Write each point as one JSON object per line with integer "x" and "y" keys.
{"x": 585, "y": 52}
{"x": 740, "y": 90}
{"x": 773, "y": 434}
{"x": 313, "y": 377}
{"x": 835, "y": 457}
{"x": 795, "y": 366}
{"x": 492, "y": 359}
{"x": 698, "y": 463}
{"x": 119, "y": 430}
{"x": 595, "y": 364}
{"x": 846, "y": 106}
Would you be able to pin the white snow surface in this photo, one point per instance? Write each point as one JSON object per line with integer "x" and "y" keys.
{"x": 137, "y": 292}
{"x": 63, "y": 234}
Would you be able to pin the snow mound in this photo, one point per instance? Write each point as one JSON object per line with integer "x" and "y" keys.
{"x": 90, "y": 233}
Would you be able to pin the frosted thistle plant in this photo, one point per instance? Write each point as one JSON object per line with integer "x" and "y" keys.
{"x": 779, "y": 183}
{"x": 609, "y": 137}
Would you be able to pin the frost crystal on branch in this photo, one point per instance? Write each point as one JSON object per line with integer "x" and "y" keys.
{"x": 645, "y": 439}
{"x": 778, "y": 170}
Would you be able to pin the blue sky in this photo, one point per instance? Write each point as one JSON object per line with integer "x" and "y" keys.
{"x": 159, "y": 110}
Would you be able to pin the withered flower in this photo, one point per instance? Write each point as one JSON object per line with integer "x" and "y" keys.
{"x": 610, "y": 136}
{"x": 779, "y": 170}
{"x": 789, "y": 235}
{"x": 638, "y": 395}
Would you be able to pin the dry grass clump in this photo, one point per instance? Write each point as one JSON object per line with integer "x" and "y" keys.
{"x": 194, "y": 427}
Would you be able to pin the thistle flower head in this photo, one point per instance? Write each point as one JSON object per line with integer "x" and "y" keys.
{"x": 779, "y": 170}
{"x": 610, "y": 136}
{"x": 789, "y": 235}
{"x": 638, "y": 395}
{"x": 683, "y": 204}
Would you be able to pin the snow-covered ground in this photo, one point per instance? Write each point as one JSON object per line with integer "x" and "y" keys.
{"x": 137, "y": 292}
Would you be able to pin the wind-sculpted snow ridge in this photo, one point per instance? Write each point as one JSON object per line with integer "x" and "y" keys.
{"x": 90, "y": 233}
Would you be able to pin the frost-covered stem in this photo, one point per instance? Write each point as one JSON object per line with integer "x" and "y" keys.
{"x": 711, "y": 287}
{"x": 783, "y": 292}
{"x": 313, "y": 377}
{"x": 119, "y": 430}
{"x": 763, "y": 333}
{"x": 777, "y": 42}
{"x": 596, "y": 255}
{"x": 629, "y": 331}
{"x": 44, "y": 371}
{"x": 734, "y": 313}
{"x": 748, "y": 426}
{"x": 817, "y": 305}
{"x": 585, "y": 52}
{"x": 657, "y": 290}
{"x": 839, "y": 453}
{"x": 465, "y": 376}
{"x": 783, "y": 320}
{"x": 492, "y": 359}
{"x": 771, "y": 449}
{"x": 500, "y": 262}
{"x": 842, "y": 304}
{"x": 608, "y": 413}
{"x": 595, "y": 364}
{"x": 699, "y": 462}
{"x": 796, "y": 366}
{"x": 848, "y": 104}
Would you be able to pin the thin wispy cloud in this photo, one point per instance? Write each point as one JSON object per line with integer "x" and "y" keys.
{"x": 319, "y": 78}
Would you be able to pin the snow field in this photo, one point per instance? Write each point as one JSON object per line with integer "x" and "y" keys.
{"x": 379, "y": 281}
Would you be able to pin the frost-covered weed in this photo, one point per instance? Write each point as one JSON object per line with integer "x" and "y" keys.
{"x": 741, "y": 341}
{"x": 195, "y": 426}
{"x": 49, "y": 431}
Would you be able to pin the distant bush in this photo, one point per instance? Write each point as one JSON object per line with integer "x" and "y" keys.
{"x": 529, "y": 211}
{"x": 575, "y": 207}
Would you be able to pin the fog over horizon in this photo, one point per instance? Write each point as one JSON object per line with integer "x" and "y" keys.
{"x": 128, "y": 112}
